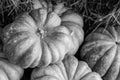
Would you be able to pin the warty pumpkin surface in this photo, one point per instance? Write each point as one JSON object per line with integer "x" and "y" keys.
{"x": 43, "y": 36}
{"x": 68, "y": 69}
{"x": 102, "y": 52}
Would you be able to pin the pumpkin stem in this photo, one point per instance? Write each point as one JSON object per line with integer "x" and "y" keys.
{"x": 41, "y": 32}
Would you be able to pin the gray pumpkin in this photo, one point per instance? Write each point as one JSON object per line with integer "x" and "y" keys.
{"x": 102, "y": 52}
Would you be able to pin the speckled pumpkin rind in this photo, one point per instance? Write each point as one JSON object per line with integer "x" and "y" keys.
{"x": 102, "y": 52}
{"x": 69, "y": 69}
{"x": 43, "y": 36}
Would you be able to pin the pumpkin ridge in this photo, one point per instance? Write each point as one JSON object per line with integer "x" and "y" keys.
{"x": 69, "y": 17}
{"x": 23, "y": 19}
{"x": 69, "y": 64}
{"x": 63, "y": 24}
{"x": 76, "y": 36}
{"x": 37, "y": 75}
{"x": 91, "y": 73}
{"x": 69, "y": 23}
{"x": 53, "y": 52}
{"x": 91, "y": 54}
{"x": 63, "y": 71}
{"x": 76, "y": 27}
{"x": 115, "y": 34}
{"x": 7, "y": 46}
{"x": 17, "y": 35}
{"x": 36, "y": 78}
{"x": 77, "y": 69}
{"x": 90, "y": 45}
{"x": 57, "y": 47}
{"x": 54, "y": 67}
{"x": 3, "y": 73}
{"x": 65, "y": 67}
{"x": 50, "y": 69}
{"x": 104, "y": 32}
{"x": 37, "y": 60}
{"x": 95, "y": 68}
{"x": 112, "y": 33}
{"x": 18, "y": 70}
{"x": 7, "y": 74}
{"x": 12, "y": 48}
{"x": 53, "y": 77}
{"x": 72, "y": 30}
{"x": 10, "y": 69}
{"x": 35, "y": 18}
{"x": 64, "y": 38}
{"x": 27, "y": 55}
{"x": 44, "y": 59}
{"x": 61, "y": 44}
{"x": 19, "y": 61}
{"x": 27, "y": 26}
{"x": 111, "y": 67}
{"x": 25, "y": 42}
{"x": 47, "y": 18}
{"x": 91, "y": 37}
{"x": 18, "y": 27}
{"x": 21, "y": 41}
{"x": 118, "y": 77}
{"x": 62, "y": 29}
{"x": 118, "y": 34}
{"x": 101, "y": 42}
{"x": 34, "y": 62}
{"x": 38, "y": 16}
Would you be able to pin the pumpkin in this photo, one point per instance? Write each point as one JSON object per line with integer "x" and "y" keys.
{"x": 43, "y": 36}
{"x": 68, "y": 69}
{"x": 9, "y": 71}
{"x": 101, "y": 51}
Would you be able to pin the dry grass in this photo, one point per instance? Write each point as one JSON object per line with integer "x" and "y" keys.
{"x": 110, "y": 19}
{"x": 9, "y": 9}
{"x": 94, "y": 12}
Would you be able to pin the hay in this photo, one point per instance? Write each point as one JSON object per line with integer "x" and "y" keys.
{"x": 92, "y": 11}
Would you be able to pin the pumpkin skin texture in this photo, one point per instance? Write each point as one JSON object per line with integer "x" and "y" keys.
{"x": 9, "y": 71}
{"x": 68, "y": 69}
{"x": 102, "y": 52}
{"x": 43, "y": 36}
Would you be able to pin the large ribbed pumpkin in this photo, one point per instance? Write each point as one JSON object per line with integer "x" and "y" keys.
{"x": 43, "y": 36}
{"x": 69, "y": 69}
{"x": 102, "y": 52}
{"x": 9, "y": 71}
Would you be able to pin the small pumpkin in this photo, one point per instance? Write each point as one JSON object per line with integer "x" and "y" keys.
{"x": 9, "y": 71}
{"x": 43, "y": 36}
{"x": 68, "y": 69}
{"x": 101, "y": 51}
